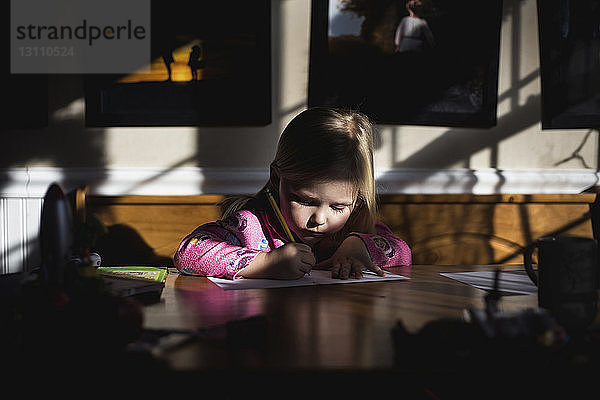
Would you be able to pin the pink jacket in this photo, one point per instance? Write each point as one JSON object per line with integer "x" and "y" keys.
{"x": 224, "y": 247}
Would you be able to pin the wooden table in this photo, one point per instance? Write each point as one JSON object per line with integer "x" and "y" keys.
{"x": 313, "y": 328}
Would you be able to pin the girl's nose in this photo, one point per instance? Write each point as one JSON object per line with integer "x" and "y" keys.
{"x": 317, "y": 219}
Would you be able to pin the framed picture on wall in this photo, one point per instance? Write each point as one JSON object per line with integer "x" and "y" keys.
{"x": 422, "y": 62}
{"x": 569, "y": 34}
{"x": 210, "y": 66}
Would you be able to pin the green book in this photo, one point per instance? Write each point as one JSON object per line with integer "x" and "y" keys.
{"x": 150, "y": 273}
{"x": 133, "y": 280}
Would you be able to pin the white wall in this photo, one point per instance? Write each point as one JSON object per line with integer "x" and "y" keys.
{"x": 516, "y": 143}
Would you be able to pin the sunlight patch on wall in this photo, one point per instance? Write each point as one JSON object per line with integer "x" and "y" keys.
{"x": 156, "y": 147}
{"x": 72, "y": 111}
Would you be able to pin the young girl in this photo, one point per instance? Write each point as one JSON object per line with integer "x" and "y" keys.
{"x": 322, "y": 178}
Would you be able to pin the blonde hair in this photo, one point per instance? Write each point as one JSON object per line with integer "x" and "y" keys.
{"x": 320, "y": 145}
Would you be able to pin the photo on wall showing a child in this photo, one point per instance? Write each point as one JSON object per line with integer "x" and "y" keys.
{"x": 210, "y": 66}
{"x": 421, "y": 62}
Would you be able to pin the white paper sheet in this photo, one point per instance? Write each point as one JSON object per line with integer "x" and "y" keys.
{"x": 317, "y": 277}
{"x": 510, "y": 282}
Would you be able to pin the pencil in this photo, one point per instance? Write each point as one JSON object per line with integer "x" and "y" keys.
{"x": 279, "y": 215}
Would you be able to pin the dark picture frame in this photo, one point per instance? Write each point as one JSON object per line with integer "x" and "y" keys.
{"x": 450, "y": 81}
{"x": 211, "y": 66}
{"x": 569, "y": 44}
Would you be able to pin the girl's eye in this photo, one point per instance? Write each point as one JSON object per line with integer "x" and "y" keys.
{"x": 338, "y": 209}
{"x": 300, "y": 200}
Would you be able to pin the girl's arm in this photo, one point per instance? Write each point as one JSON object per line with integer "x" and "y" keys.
{"x": 291, "y": 261}
{"x": 385, "y": 248}
{"x": 237, "y": 247}
{"x": 222, "y": 248}
{"x": 361, "y": 251}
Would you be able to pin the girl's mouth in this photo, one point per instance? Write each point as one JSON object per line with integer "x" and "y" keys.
{"x": 306, "y": 232}
{"x": 311, "y": 237}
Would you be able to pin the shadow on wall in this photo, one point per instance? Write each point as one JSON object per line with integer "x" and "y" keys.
{"x": 63, "y": 143}
{"x": 123, "y": 245}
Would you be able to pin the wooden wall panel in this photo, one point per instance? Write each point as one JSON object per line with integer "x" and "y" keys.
{"x": 148, "y": 229}
{"x": 440, "y": 229}
{"x": 468, "y": 229}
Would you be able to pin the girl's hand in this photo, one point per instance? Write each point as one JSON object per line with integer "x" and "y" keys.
{"x": 349, "y": 260}
{"x": 290, "y": 261}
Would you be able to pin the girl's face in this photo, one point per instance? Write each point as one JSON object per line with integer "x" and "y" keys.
{"x": 316, "y": 211}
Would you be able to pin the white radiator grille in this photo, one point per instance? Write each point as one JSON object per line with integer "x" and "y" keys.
{"x": 19, "y": 232}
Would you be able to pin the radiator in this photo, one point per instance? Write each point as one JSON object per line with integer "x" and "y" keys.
{"x": 19, "y": 232}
